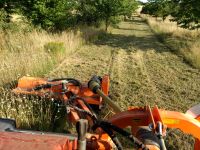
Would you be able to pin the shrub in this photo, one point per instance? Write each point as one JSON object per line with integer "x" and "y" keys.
{"x": 55, "y": 48}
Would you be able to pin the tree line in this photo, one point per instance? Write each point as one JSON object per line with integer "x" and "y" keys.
{"x": 185, "y": 12}
{"x": 62, "y": 14}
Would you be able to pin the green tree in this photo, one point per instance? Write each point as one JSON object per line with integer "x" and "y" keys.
{"x": 128, "y": 7}
{"x": 6, "y": 8}
{"x": 56, "y": 15}
{"x": 94, "y": 11}
{"x": 187, "y": 14}
{"x": 87, "y": 12}
{"x": 50, "y": 14}
{"x": 158, "y": 8}
{"x": 113, "y": 8}
{"x": 109, "y": 9}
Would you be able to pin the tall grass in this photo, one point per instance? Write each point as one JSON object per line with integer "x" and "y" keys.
{"x": 185, "y": 42}
{"x": 33, "y": 53}
{"x": 24, "y": 54}
{"x": 29, "y": 112}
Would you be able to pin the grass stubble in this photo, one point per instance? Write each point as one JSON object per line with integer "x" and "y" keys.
{"x": 182, "y": 41}
{"x": 143, "y": 71}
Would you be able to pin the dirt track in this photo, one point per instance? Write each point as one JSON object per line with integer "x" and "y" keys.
{"x": 142, "y": 71}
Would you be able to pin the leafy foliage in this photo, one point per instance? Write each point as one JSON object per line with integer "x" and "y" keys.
{"x": 49, "y": 14}
{"x": 2, "y": 15}
{"x": 185, "y": 12}
{"x": 55, "y": 48}
{"x": 5, "y": 10}
{"x": 109, "y": 9}
{"x": 158, "y": 8}
{"x": 128, "y": 7}
{"x": 105, "y": 10}
{"x": 57, "y": 15}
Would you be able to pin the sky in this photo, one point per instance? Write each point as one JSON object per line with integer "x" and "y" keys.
{"x": 143, "y": 0}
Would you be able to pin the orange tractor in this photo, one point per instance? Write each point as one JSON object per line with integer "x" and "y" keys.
{"x": 147, "y": 125}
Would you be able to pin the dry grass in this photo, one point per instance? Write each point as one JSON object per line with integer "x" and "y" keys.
{"x": 143, "y": 71}
{"x": 26, "y": 53}
{"x": 187, "y": 42}
{"x": 23, "y": 54}
{"x": 29, "y": 112}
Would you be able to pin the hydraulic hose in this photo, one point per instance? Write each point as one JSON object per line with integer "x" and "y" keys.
{"x": 48, "y": 85}
{"x": 71, "y": 80}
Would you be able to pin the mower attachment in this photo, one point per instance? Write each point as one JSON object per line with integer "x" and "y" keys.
{"x": 148, "y": 125}
{"x": 59, "y": 89}
{"x": 67, "y": 93}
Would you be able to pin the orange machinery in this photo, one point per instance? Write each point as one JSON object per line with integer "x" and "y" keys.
{"x": 61, "y": 88}
{"x": 148, "y": 129}
{"x": 64, "y": 91}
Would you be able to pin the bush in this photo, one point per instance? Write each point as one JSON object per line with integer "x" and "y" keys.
{"x": 2, "y": 17}
{"x": 55, "y": 48}
{"x": 114, "y": 21}
{"x": 52, "y": 15}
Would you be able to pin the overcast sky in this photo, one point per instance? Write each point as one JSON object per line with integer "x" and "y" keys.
{"x": 143, "y": 0}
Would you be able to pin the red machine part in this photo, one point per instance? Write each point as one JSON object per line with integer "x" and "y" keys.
{"x": 25, "y": 141}
{"x": 34, "y": 141}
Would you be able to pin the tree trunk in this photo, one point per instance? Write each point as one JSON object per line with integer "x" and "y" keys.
{"x": 124, "y": 18}
{"x": 107, "y": 24}
{"x": 7, "y": 8}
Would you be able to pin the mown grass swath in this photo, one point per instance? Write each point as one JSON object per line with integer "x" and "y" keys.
{"x": 182, "y": 41}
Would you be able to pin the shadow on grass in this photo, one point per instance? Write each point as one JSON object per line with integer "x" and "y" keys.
{"x": 144, "y": 42}
{"x": 133, "y": 42}
{"x": 128, "y": 42}
{"x": 135, "y": 20}
{"x": 133, "y": 29}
